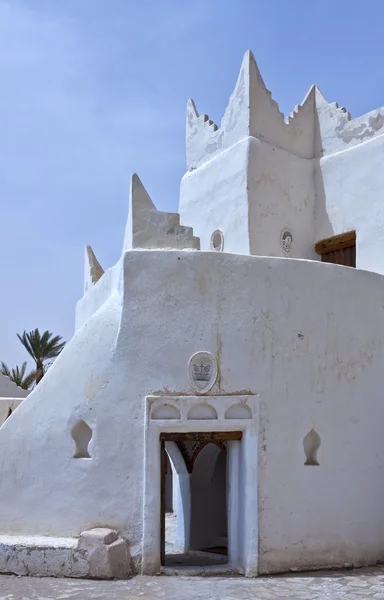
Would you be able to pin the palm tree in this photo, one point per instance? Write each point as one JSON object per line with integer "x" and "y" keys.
{"x": 41, "y": 348}
{"x": 18, "y": 375}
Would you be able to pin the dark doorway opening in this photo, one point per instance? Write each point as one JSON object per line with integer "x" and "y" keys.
{"x": 195, "y": 533}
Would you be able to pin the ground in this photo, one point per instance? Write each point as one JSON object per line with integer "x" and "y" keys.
{"x": 359, "y": 584}
{"x": 351, "y": 585}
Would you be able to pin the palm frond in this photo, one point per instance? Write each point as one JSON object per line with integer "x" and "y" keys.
{"x": 18, "y": 375}
{"x": 4, "y": 369}
{"x": 41, "y": 347}
{"x": 29, "y": 380}
{"x": 24, "y": 339}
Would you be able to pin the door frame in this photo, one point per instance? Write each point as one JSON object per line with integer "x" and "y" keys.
{"x": 169, "y": 415}
{"x": 198, "y": 436}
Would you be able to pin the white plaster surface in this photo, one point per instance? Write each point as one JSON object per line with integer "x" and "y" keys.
{"x": 150, "y": 228}
{"x": 319, "y": 173}
{"x": 353, "y": 201}
{"x": 304, "y": 335}
{"x": 215, "y": 196}
{"x": 306, "y": 338}
{"x": 336, "y": 131}
{"x": 280, "y": 196}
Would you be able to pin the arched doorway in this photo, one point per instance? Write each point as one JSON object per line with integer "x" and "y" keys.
{"x": 198, "y": 535}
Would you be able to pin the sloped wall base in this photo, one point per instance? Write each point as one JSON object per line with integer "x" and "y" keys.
{"x": 97, "y": 554}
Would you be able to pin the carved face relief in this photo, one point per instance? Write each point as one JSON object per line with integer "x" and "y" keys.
{"x": 202, "y": 371}
{"x": 286, "y": 241}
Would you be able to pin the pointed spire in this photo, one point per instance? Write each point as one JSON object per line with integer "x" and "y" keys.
{"x": 93, "y": 271}
{"x": 139, "y": 195}
{"x": 309, "y": 95}
{"x": 140, "y": 205}
{"x": 320, "y": 98}
{"x": 251, "y": 109}
{"x": 306, "y": 106}
{"x": 249, "y": 77}
{"x": 192, "y": 113}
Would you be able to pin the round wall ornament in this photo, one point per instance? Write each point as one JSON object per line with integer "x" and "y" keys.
{"x": 202, "y": 371}
{"x": 286, "y": 240}
{"x": 217, "y": 241}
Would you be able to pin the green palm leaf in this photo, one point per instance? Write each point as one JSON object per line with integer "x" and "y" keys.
{"x": 19, "y": 375}
{"x": 41, "y": 348}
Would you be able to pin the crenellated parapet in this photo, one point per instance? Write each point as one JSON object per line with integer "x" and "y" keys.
{"x": 251, "y": 112}
{"x": 336, "y": 130}
{"x": 314, "y": 128}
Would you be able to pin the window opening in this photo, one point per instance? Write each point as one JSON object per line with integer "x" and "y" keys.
{"x": 339, "y": 249}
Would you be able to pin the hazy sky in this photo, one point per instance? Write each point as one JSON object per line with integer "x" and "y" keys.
{"x": 93, "y": 90}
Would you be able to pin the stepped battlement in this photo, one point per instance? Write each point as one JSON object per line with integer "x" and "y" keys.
{"x": 314, "y": 128}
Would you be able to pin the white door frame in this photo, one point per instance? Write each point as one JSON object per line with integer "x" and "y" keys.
{"x": 169, "y": 414}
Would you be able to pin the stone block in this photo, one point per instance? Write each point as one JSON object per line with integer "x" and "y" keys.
{"x": 107, "y": 555}
{"x": 98, "y": 554}
{"x": 119, "y": 559}
{"x": 93, "y": 538}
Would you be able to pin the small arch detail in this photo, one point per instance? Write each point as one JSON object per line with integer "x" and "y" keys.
{"x": 165, "y": 411}
{"x": 238, "y": 411}
{"x": 311, "y": 444}
{"x": 202, "y": 412}
{"x": 81, "y": 434}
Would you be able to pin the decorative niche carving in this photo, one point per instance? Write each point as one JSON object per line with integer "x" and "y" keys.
{"x": 286, "y": 240}
{"x": 202, "y": 371}
{"x": 202, "y": 412}
{"x": 165, "y": 411}
{"x": 81, "y": 435}
{"x": 238, "y": 411}
{"x": 311, "y": 444}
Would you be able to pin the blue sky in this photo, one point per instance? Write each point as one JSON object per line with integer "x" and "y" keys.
{"x": 93, "y": 90}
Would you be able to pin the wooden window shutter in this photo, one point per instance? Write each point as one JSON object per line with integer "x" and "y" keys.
{"x": 339, "y": 249}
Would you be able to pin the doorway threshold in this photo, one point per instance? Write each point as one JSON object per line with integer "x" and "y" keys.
{"x": 201, "y": 571}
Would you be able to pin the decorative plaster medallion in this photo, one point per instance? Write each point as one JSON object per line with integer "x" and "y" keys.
{"x": 202, "y": 371}
{"x": 217, "y": 241}
{"x": 286, "y": 240}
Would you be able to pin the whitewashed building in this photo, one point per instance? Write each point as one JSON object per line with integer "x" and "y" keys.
{"x": 247, "y": 353}
{"x": 10, "y": 397}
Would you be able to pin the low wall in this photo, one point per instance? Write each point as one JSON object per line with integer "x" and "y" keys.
{"x": 7, "y": 406}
